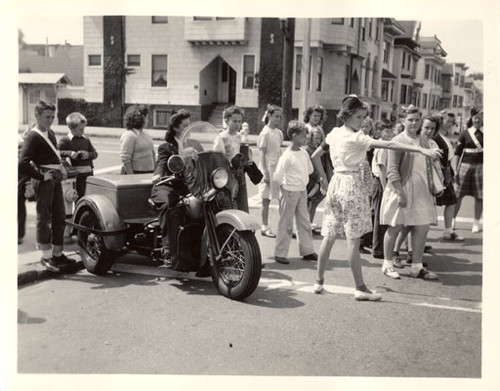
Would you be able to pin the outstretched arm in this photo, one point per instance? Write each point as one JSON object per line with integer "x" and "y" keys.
{"x": 432, "y": 153}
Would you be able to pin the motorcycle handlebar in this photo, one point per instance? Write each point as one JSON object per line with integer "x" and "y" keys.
{"x": 165, "y": 180}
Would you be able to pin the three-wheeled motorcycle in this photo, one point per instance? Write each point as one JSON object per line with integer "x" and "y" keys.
{"x": 205, "y": 231}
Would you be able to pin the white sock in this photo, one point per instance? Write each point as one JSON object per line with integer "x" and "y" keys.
{"x": 417, "y": 266}
{"x": 264, "y": 227}
{"x": 475, "y": 222}
{"x": 387, "y": 264}
{"x": 47, "y": 254}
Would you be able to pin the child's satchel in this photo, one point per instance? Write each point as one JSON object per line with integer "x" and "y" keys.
{"x": 254, "y": 173}
{"x": 70, "y": 170}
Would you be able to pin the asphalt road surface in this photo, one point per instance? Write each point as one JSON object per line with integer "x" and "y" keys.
{"x": 144, "y": 320}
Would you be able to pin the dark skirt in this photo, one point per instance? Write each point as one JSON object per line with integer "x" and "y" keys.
{"x": 448, "y": 197}
{"x": 470, "y": 180}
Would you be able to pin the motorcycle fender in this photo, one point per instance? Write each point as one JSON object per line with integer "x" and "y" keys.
{"x": 240, "y": 220}
{"x": 107, "y": 215}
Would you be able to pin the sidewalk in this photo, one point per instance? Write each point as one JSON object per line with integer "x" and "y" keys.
{"x": 94, "y": 131}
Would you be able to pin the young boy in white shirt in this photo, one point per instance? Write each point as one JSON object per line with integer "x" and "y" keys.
{"x": 292, "y": 174}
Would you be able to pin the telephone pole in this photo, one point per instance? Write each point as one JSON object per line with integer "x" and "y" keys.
{"x": 288, "y": 30}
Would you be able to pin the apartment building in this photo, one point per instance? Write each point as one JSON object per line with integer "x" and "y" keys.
{"x": 406, "y": 57}
{"x": 205, "y": 63}
{"x": 429, "y": 71}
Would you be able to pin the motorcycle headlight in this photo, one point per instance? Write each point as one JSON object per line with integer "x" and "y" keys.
{"x": 220, "y": 178}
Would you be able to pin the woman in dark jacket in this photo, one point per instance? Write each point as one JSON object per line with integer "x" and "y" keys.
{"x": 164, "y": 194}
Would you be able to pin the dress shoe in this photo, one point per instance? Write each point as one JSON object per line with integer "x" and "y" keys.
{"x": 282, "y": 260}
{"x": 310, "y": 257}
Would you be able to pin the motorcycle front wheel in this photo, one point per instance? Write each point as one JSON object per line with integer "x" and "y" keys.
{"x": 237, "y": 273}
{"x": 95, "y": 257}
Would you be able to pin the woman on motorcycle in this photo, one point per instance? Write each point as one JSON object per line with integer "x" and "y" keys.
{"x": 164, "y": 194}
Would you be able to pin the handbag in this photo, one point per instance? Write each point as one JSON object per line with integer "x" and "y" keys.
{"x": 254, "y": 173}
{"x": 437, "y": 181}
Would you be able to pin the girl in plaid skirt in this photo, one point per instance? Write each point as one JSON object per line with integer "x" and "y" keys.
{"x": 469, "y": 149}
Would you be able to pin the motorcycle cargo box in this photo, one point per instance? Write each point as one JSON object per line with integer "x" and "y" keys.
{"x": 128, "y": 193}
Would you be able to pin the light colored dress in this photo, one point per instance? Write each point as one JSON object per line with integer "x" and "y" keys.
{"x": 420, "y": 208}
{"x": 269, "y": 143}
{"x": 347, "y": 205}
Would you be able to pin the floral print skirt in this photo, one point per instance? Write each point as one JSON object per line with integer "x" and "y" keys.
{"x": 347, "y": 207}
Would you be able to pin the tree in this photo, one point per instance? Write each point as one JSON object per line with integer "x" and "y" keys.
{"x": 477, "y": 75}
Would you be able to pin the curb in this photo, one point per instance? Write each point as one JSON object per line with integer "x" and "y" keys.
{"x": 44, "y": 274}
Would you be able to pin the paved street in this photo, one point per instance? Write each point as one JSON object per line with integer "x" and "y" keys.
{"x": 146, "y": 320}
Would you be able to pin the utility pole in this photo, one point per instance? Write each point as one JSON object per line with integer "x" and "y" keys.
{"x": 288, "y": 30}
{"x": 306, "y": 65}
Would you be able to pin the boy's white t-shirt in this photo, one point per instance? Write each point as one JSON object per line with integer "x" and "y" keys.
{"x": 293, "y": 170}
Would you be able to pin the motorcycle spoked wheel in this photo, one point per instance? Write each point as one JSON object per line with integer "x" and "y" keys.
{"x": 237, "y": 274}
{"x": 95, "y": 257}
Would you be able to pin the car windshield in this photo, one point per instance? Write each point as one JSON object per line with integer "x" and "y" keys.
{"x": 198, "y": 137}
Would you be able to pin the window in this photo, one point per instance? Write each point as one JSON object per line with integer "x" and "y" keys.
{"x": 402, "y": 98}
{"x": 159, "y": 19}
{"x": 351, "y": 22}
{"x": 457, "y": 78}
{"x": 424, "y": 100}
{"x": 460, "y": 101}
{"x": 377, "y": 30}
{"x": 392, "y": 92}
{"x": 298, "y": 71}
{"x": 346, "y": 79}
{"x": 223, "y": 18}
{"x": 370, "y": 27}
{"x": 337, "y": 21}
{"x": 408, "y": 67}
{"x": 202, "y": 18}
{"x": 385, "y": 90}
{"x": 461, "y": 81}
{"x": 386, "y": 52}
{"x": 159, "y": 70}
{"x": 427, "y": 71}
{"x": 160, "y": 118}
{"x": 134, "y": 60}
{"x": 404, "y": 61}
{"x": 94, "y": 60}
{"x": 363, "y": 28}
{"x": 248, "y": 71}
{"x": 431, "y": 76}
{"x": 454, "y": 101}
{"x": 319, "y": 79}
{"x": 34, "y": 96}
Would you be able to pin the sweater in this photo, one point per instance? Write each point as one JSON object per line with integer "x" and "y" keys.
{"x": 69, "y": 144}
{"x": 36, "y": 150}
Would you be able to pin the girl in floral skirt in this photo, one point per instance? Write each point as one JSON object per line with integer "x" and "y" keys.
{"x": 347, "y": 208}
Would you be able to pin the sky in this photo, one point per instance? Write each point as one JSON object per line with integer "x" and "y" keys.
{"x": 461, "y": 39}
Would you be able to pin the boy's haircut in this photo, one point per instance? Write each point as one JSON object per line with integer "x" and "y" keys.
{"x": 295, "y": 127}
{"x": 270, "y": 110}
{"x": 75, "y": 119}
{"x": 41, "y": 106}
{"x": 232, "y": 110}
